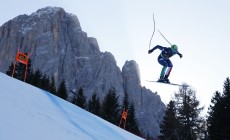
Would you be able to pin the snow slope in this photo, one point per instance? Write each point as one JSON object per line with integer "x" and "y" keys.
{"x": 29, "y": 113}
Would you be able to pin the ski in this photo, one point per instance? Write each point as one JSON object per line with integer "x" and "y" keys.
{"x": 166, "y": 83}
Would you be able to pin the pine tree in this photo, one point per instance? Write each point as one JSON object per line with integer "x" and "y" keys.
{"x": 10, "y": 69}
{"x": 62, "y": 92}
{"x": 132, "y": 123}
{"x": 219, "y": 114}
{"x": 52, "y": 87}
{"x": 39, "y": 80}
{"x": 226, "y": 109}
{"x": 19, "y": 71}
{"x": 170, "y": 123}
{"x": 45, "y": 83}
{"x": 110, "y": 107}
{"x": 125, "y": 102}
{"x": 36, "y": 79}
{"x": 94, "y": 105}
{"x": 188, "y": 112}
{"x": 80, "y": 99}
{"x": 125, "y": 107}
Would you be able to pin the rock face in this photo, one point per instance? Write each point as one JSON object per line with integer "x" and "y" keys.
{"x": 59, "y": 48}
{"x": 147, "y": 103}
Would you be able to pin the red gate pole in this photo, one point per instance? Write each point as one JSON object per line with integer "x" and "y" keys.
{"x": 26, "y": 68}
{"x": 25, "y": 73}
{"x": 13, "y": 69}
{"x": 14, "y": 64}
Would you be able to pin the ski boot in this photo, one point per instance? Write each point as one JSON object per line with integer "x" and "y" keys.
{"x": 161, "y": 79}
{"x": 166, "y": 80}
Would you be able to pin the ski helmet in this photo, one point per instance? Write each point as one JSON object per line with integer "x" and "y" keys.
{"x": 174, "y": 47}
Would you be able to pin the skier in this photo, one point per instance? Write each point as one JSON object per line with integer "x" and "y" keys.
{"x": 163, "y": 59}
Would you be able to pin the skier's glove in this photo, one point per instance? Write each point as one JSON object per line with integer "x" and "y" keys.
{"x": 180, "y": 55}
{"x": 150, "y": 51}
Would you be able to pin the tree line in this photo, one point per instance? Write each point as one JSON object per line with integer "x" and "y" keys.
{"x": 108, "y": 109}
{"x": 182, "y": 120}
{"x": 36, "y": 78}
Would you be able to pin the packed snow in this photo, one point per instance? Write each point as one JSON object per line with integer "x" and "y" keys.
{"x": 29, "y": 113}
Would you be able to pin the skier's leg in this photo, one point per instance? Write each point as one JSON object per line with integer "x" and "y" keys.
{"x": 163, "y": 62}
{"x": 163, "y": 72}
{"x": 168, "y": 72}
{"x": 170, "y": 66}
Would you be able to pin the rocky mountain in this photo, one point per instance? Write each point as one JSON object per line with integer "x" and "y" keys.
{"x": 59, "y": 48}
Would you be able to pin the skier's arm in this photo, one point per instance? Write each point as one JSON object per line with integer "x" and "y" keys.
{"x": 179, "y": 54}
{"x": 154, "y": 48}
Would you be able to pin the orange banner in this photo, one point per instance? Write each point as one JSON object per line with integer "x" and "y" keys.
{"x": 22, "y": 58}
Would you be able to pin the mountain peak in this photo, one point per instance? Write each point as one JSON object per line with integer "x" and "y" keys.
{"x": 48, "y": 10}
{"x": 131, "y": 71}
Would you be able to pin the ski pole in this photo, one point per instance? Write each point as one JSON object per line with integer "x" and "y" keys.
{"x": 153, "y": 32}
{"x": 164, "y": 37}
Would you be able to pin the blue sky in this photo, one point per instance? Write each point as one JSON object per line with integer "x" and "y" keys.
{"x": 124, "y": 27}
